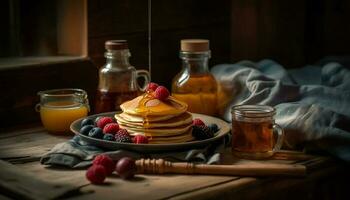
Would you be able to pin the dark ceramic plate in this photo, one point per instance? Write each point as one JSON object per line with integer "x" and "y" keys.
{"x": 224, "y": 129}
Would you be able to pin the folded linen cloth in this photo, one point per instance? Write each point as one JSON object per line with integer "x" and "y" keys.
{"x": 312, "y": 103}
{"x": 76, "y": 153}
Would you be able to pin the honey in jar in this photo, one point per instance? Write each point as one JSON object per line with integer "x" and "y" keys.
{"x": 195, "y": 85}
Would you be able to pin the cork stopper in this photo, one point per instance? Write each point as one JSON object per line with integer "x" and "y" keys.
{"x": 195, "y": 45}
{"x": 116, "y": 44}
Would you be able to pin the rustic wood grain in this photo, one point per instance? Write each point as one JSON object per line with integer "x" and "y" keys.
{"x": 19, "y": 184}
{"x": 127, "y": 19}
{"x": 156, "y": 186}
{"x": 151, "y": 187}
{"x": 28, "y": 143}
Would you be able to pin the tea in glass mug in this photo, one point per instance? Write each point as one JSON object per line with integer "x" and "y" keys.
{"x": 253, "y": 128}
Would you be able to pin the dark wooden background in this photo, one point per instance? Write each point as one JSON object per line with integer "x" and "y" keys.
{"x": 171, "y": 22}
{"x": 294, "y": 33}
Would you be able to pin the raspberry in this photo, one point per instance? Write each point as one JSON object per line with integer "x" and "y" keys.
{"x": 106, "y": 162}
{"x": 198, "y": 122}
{"x": 126, "y": 168}
{"x": 161, "y": 93}
{"x": 96, "y": 174}
{"x": 122, "y": 138}
{"x": 202, "y": 132}
{"x": 140, "y": 139}
{"x": 123, "y": 132}
{"x": 152, "y": 86}
{"x": 101, "y": 123}
{"x": 111, "y": 128}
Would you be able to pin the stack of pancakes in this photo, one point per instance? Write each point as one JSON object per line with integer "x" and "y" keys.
{"x": 161, "y": 121}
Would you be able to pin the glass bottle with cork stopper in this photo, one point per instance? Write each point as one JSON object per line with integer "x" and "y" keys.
{"x": 117, "y": 78}
{"x": 195, "y": 85}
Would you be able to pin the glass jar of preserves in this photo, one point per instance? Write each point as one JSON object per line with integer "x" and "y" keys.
{"x": 195, "y": 85}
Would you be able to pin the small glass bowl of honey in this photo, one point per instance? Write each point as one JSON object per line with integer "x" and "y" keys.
{"x": 60, "y": 107}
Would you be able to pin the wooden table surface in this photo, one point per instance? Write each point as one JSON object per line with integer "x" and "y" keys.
{"x": 24, "y": 177}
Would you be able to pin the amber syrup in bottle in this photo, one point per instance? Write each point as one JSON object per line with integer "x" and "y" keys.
{"x": 195, "y": 85}
{"x": 117, "y": 78}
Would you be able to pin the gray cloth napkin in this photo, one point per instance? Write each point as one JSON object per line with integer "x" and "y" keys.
{"x": 76, "y": 153}
{"x": 312, "y": 103}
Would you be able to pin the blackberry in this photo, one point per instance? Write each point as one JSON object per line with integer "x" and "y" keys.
{"x": 87, "y": 121}
{"x": 96, "y": 133}
{"x": 85, "y": 129}
{"x": 122, "y": 138}
{"x": 108, "y": 137}
{"x": 123, "y": 132}
{"x": 213, "y": 128}
{"x": 202, "y": 132}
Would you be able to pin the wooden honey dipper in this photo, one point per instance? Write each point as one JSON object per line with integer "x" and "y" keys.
{"x": 160, "y": 166}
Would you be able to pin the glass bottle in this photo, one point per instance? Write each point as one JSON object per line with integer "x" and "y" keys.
{"x": 117, "y": 78}
{"x": 195, "y": 85}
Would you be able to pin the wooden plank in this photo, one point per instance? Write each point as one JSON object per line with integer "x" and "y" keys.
{"x": 16, "y": 131}
{"x": 276, "y": 188}
{"x": 18, "y": 184}
{"x": 33, "y": 143}
{"x": 2, "y": 197}
{"x": 222, "y": 190}
{"x": 150, "y": 187}
{"x": 130, "y": 16}
{"x": 263, "y": 30}
{"x": 55, "y": 174}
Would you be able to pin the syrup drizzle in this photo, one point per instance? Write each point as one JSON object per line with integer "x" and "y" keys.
{"x": 150, "y": 38}
{"x": 145, "y": 111}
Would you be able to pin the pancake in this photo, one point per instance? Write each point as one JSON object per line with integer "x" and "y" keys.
{"x": 163, "y": 122}
{"x": 185, "y": 137}
{"x": 138, "y": 119}
{"x": 157, "y": 131}
{"x": 183, "y": 119}
{"x": 147, "y": 105}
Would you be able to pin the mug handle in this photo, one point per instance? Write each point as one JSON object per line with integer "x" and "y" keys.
{"x": 145, "y": 75}
{"x": 37, "y": 107}
{"x": 280, "y": 137}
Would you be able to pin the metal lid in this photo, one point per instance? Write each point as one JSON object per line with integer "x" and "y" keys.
{"x": 116, "y": 44}
{"x": 195, "y": 45}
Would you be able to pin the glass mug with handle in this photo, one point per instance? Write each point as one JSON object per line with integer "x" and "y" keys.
{"x": 253, "y": 128}
{"x": 60, "y": 107}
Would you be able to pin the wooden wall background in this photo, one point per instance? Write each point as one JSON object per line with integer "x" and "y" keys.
{"x": 294, "y": 33}
{"x": 171, "y": 22}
